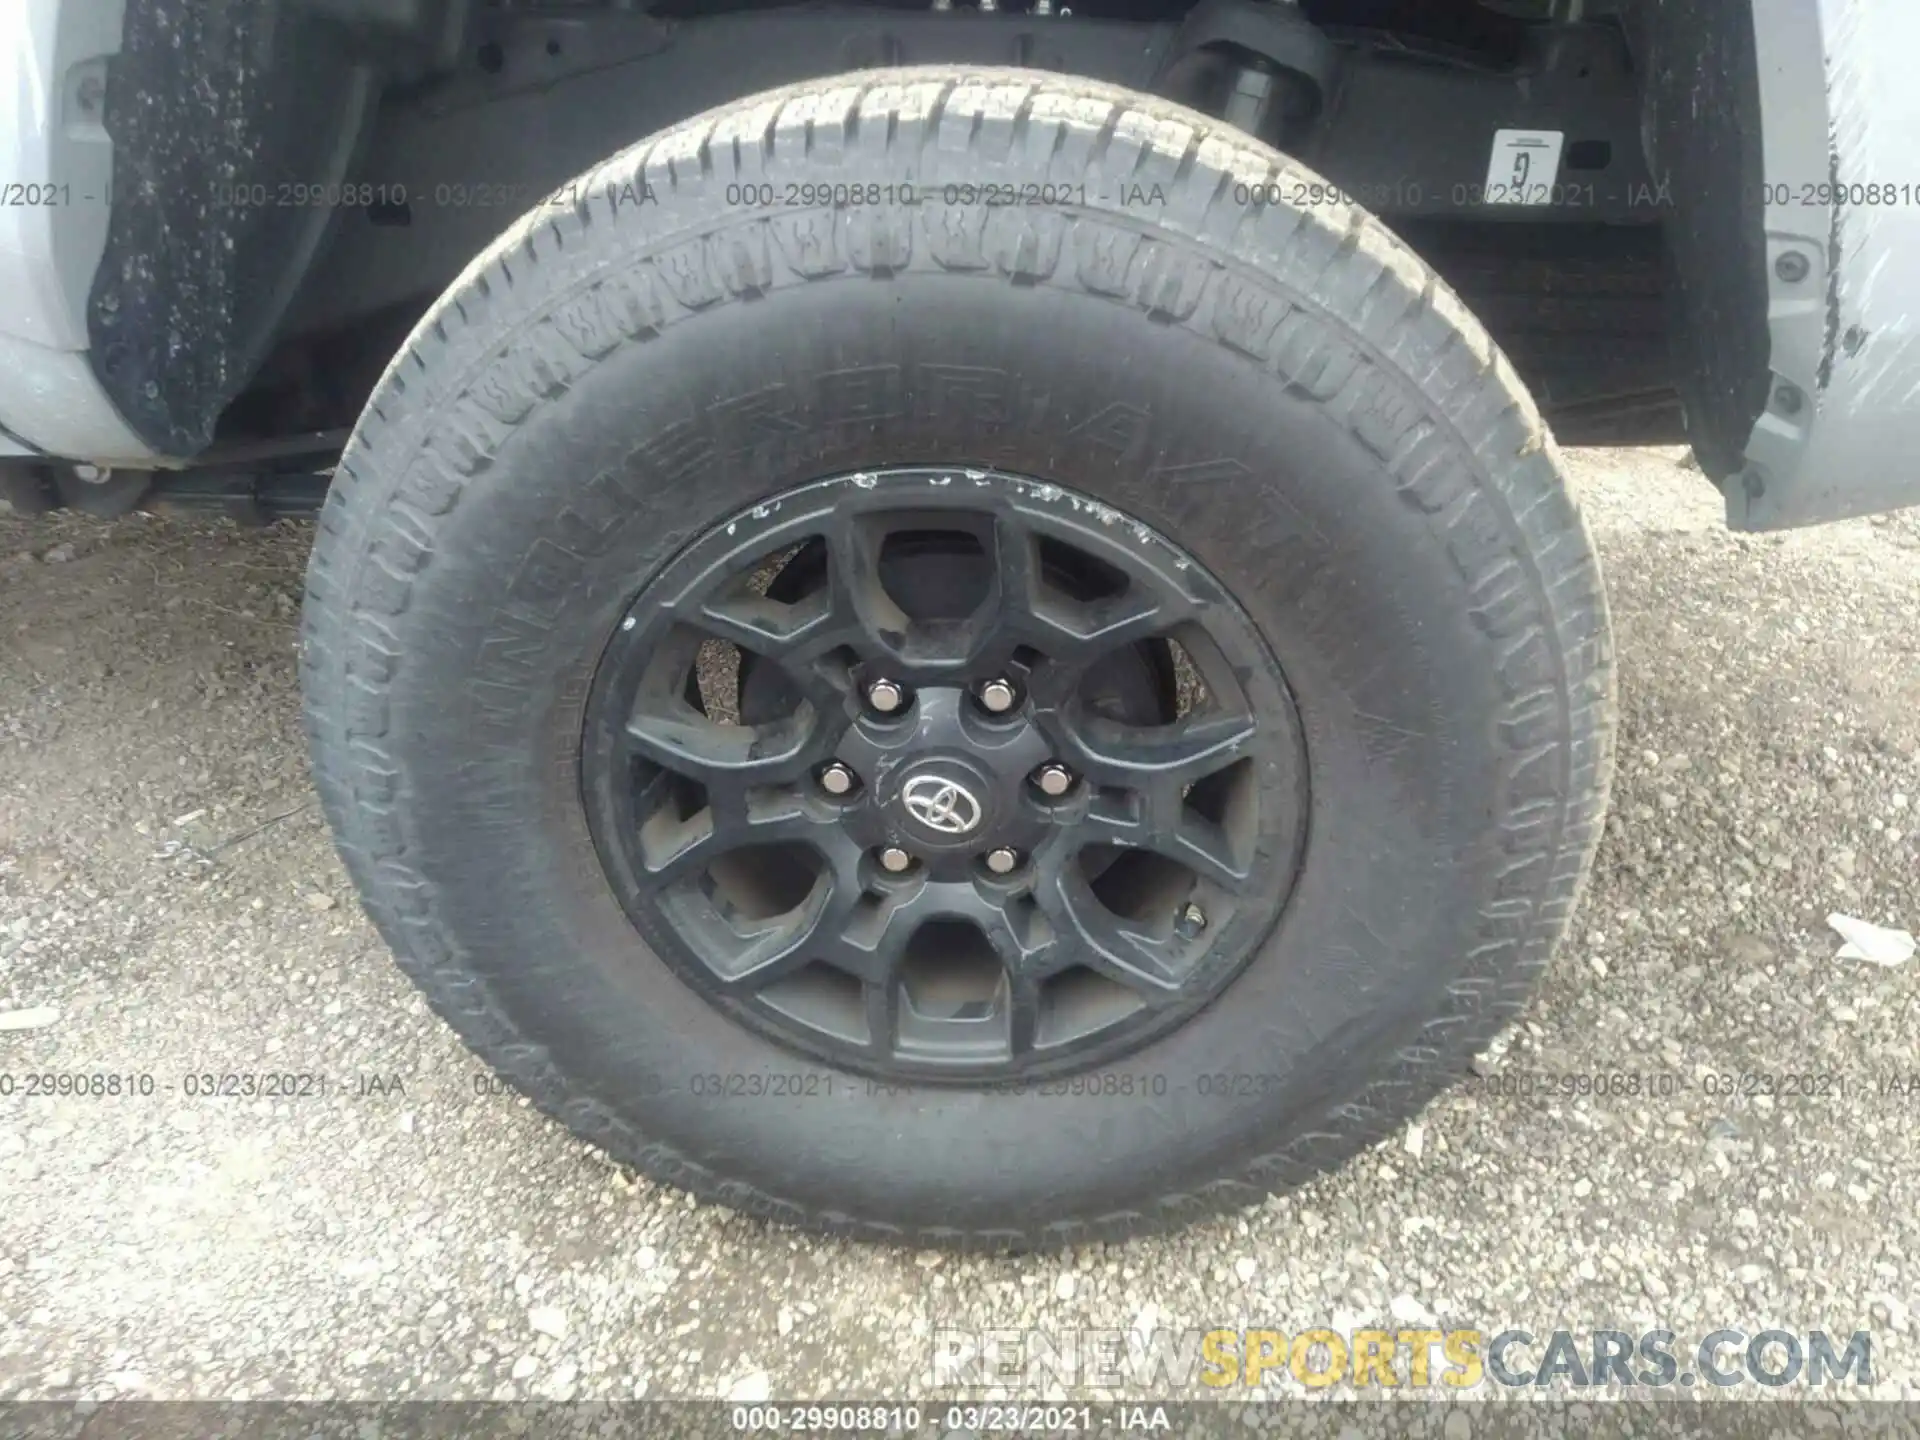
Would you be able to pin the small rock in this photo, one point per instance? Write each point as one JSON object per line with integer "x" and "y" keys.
{"x": 1245, "y": 1267}
{"x": 1065, "y": 1286}
{"x": 751, "y": 1388}
{"x": 524, "y": 1366}
{"x": 1489, "y": 1059}
{"x": 58, "y": 555}
{"x": 37, "y": 1018}
{"x": 1744, "y": 949}
{"x": 1415, "y": 1140}
{"x": 1898, "y": 1315}
{"x": 548, "y": 1320}
{"x": 318, "y": 900}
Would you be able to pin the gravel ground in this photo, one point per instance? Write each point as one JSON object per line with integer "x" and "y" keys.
{"x": 416, "y": 1233}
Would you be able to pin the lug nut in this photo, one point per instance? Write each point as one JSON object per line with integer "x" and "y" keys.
{"x": 885, "y": 696}
{"x": 1053, "y": 779}
{"x": 894, "y": 859}
{"x": 1192, "y": 920}
{"x": 997, "y": 696}
{"x": 836, "y": 779}
{"x": 1002, "y": 861}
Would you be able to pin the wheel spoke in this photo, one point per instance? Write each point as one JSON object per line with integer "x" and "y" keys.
{"x": 863, "y": 613}
{"x": 781, "y": 946}
{"x": 1073, "y": 634}
{"x": 763, "y": 626}
{"x": 1203, "y": 848}
{"x": 881, "y": 999}
{"x": 1023, "y": 1013}
{"x": 1016, "y": 568}
{"x": 670, "y": 851}
{"x": 872, "y": 942}
{"x": 868, "y": 942}
{"x": 1107, "y": 944}
{"x": 873, "y": 949}
{"x": 1143, "y": 756}
{"x": 724, "y": 757}
{"x": 792, "y": 635}
{"x": 1164, "y": 829}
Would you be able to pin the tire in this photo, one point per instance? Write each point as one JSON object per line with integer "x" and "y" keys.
{"x": 1284, "y": 390}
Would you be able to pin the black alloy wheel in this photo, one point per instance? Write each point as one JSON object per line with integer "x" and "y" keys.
{"x": 945, "y": 774}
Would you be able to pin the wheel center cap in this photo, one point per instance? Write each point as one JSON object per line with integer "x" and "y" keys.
{"x": 943, "y": 802}
{"x": 942, "y": 805}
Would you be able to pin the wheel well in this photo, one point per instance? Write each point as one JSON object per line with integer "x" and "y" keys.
{"x": 421, "y": 128}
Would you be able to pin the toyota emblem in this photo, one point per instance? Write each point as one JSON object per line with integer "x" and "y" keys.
{"x": 940, "y": 804}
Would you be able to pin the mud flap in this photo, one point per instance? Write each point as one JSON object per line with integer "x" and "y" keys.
{"x": 234, "y": 125}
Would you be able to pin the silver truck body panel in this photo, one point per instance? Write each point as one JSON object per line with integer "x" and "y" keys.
{"x": 1841, "y": 111}
{"x": 49, "y": 395}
